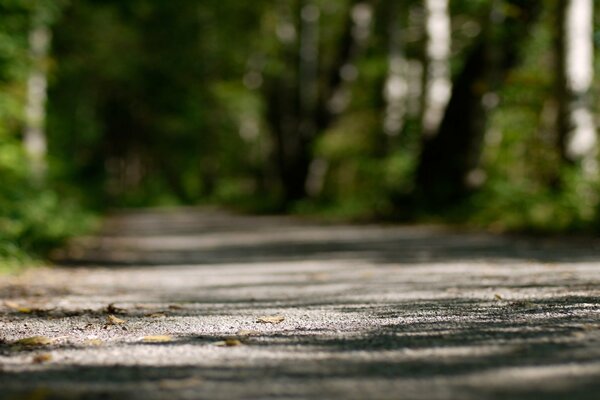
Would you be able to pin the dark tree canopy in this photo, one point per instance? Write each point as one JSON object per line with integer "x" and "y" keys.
{"x": 309, "y": 106}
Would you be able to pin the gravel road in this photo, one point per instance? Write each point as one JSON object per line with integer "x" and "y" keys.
{"x": 201, "y": 304}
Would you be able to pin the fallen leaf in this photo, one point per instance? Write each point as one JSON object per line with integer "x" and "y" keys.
{"x": 319, "y": 276}
{"x": 175, "y": 307}
{"x": 143, "y": 306}
{"x": 273, "y": 319}
{"x": 42, "y": 358}
{"x": 589, "y": 327}
{"x": 112, "y": 309}
{"x": 157, "y": 339}
{"x": 12, "y": 305}
{"x": 522, "y": 304}
{"x": 245, "y": 332}
{"x": 179, "y": 383}
{"x": 228, "y": 343}
{"x": 15, "y": 306}
{"x": 93, "y": 342}
{"x": 498, "y": 297}
{"x": 368, "y": 275}
{"x": 112, "y": 320}
{"x": 35, "y": 341}
{"x": 156, "y": 315}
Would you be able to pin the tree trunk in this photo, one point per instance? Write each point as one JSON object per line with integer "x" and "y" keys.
{"x": 447, "y": 169}
{"x": 436, "y": 76}
{"x": 34, "y": 135}
{"x": 396, "y": 85}
{"x": 298, "y": 109}
{"x": 577, "y": 139}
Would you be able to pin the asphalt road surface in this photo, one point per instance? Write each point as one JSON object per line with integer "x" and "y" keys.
{"x": 201, "y": 304}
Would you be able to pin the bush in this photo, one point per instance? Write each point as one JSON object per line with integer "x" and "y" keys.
{"x": 33, "y": 220}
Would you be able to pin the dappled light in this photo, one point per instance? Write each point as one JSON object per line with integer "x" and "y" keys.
{"x": 337, "y": 199}
{"x": 162, "y": 303}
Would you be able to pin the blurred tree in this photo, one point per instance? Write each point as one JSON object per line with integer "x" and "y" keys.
{"x": 436, "y": 75}
{"x": 396, "y": 84}
{"x": 156, "y": 102}
{"x": 574, "y": 55}
{"x": 34, "y": 136}
{"x": 142, "y": 98}
{"x": 33, "y": 216}
{"x": 447, "y": 168}
{"x": 304, "y": 93}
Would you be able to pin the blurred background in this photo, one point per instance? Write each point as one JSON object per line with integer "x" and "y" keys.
{"x": 475, "y": 112}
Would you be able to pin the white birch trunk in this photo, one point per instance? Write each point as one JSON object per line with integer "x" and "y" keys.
{"x": 581, "y": 140}
{"x": 437, "y": 79}
{"x": 362, "y": 17}
{"x": 34, "y": 136}
{"x": 396, "y": 86}
{"x": 309, "y": 67}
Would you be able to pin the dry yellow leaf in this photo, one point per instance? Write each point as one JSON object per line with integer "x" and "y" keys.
{"x": 498, "y": 296}
{"x": 112, "y": 320}
{"x": 12, "y": 305}
{"x": 245, "y": 332}
{"x": 579, "y": 335}
{"x": 228, "y": 343}
{"x": 319, "y": 276}
{"x": 157, "y": 339}
{"x": 589, "y": 327}
{"x": 368, "y": 275}
{"x": 42, "y": 358}
{"x": 272, "y": 319}
{"x": 112, "y": 309}
{"x": 178, "y": 384}
{"x": 156, "y": 315}
{"x": 143, "y": 306}
{"x": 15, "y": 306}
{"x": 522, "y": 304}
{"x": 93, "y": 342}
{"x": 35, "y": 341}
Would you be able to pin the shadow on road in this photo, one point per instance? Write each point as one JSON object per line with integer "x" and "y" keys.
{"x": 368, "y": 311}
{"x": 201, "y": 237}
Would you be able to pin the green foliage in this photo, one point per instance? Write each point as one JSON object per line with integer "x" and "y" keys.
{"x": 528, "y": 187}
{"x": 162, "y": 103}
{"x": 353, "y": 136}
{"x": 527, "y": 206}
{"x": 142, "y": 96}
{"x": 32, "y": 220}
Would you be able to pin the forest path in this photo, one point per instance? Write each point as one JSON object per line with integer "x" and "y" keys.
{"x": 167, "y": 305}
